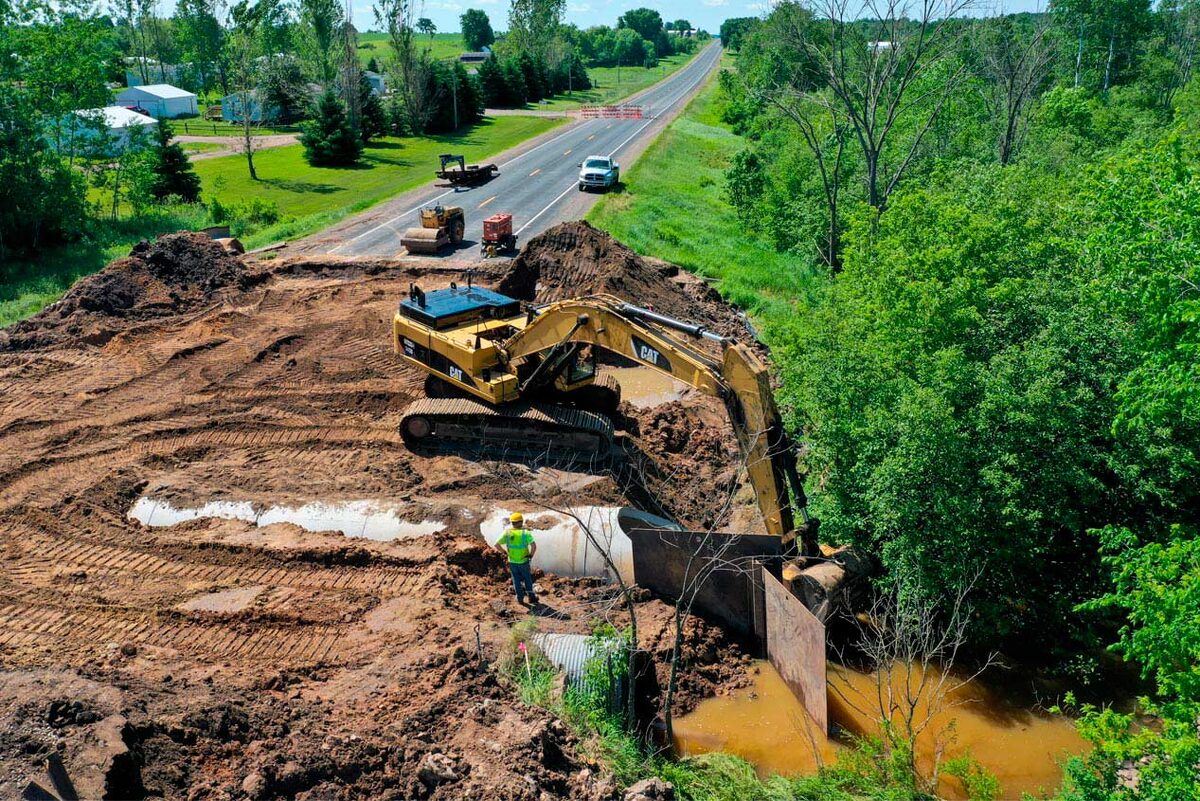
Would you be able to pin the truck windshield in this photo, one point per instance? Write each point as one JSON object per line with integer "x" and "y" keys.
{"x": 599, "y": 164}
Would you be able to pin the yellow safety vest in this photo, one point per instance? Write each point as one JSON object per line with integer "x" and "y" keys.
{"x": 517, "y": 541}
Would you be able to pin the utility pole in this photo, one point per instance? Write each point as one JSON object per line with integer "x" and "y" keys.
{"x": 350, "y": 72}
{"x": 454, "y": 93}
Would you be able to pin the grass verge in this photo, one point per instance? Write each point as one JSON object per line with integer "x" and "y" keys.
{"x": 672, "y": 205}
{"x": 310, "y": 198}
{"x": 442, "y": 45}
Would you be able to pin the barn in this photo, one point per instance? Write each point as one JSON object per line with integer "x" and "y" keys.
{"x": 160, "y": 100}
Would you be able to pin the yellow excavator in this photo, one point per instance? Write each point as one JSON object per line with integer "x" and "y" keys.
{"x": 500, "y": 376}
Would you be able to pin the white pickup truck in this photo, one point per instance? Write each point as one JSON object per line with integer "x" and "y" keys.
{"x": 598, "y": 171}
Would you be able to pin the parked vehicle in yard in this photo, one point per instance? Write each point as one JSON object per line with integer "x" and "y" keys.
{"x": 599, "y": 172}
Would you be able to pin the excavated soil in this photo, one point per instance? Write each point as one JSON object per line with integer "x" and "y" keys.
{"x": 214, "y": 659}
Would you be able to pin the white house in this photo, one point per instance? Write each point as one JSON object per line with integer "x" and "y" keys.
{"x": 115, "y": 122}
{"x": 161, "y": 100}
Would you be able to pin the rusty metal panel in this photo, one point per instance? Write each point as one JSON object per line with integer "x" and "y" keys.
{"x": 662, "y": 560}
{"x": 796, "y": 647}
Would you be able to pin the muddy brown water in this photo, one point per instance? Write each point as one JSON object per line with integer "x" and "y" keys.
{"x": 767, "y": 726}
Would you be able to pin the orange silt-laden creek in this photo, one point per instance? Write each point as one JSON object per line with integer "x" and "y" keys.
{"x": 767, "y": 726}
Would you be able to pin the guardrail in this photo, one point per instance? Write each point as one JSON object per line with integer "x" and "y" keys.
{"x": 621, "y": 112}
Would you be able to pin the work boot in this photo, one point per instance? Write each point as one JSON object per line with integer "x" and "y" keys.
{"x": 533, "y": 600}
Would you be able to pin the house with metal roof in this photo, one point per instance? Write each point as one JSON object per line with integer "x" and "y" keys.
{"x": 160, "y": 100}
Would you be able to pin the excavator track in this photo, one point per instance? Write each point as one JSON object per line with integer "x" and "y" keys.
{"x": 466, "y": 424}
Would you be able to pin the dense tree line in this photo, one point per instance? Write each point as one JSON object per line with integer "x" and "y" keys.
{"x": 997, "y": 380}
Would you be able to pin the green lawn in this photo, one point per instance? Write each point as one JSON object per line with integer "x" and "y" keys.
{"x": 310, "y": 198}
{"x": 443, "y": 45}
{"x": 606, "y": 88}
{"x": 672, "y": 206}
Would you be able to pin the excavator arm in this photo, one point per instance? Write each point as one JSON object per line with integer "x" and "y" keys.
{"x": 739, "y": 378}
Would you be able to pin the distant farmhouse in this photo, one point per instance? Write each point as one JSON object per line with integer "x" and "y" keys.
{"x": 231, "y": 108}
{"x": 116, "y": 123}
{"x": 162, "y": 101}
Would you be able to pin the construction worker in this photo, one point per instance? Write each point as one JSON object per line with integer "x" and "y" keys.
{"x": 518, "y": 545}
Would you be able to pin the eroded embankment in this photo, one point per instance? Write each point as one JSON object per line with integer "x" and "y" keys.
{"x": 221, "y": 659}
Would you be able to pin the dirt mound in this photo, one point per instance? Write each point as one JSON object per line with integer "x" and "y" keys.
{"x": 175, "y": 273}
{"x": 574, "y": 259}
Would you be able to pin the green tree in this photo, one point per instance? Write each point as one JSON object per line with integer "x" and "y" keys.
{"x": 409, "y": 67}
{"x": 649, "y": 25}
{"x": 426, "y": 25}
{"x": 734, "y": 30}
{"x": 60, "y": 53}
{"x": 173, "y": 173}
{"x": 1107, "y": 33}
{"x": 243, "y": 47}
{"x": 1157, "y": 587}
{"x": 533, "y": 26}
{"x": 200, "y": 35}
{"x": 42, "y": 200}
{"x": 320, "y": 24}
{"x": 329, "y": 139}
{"x": 476, "y": 29}
{"x": 680, "y": 25}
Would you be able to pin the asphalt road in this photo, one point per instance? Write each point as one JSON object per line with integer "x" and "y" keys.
{"x": 537, "y": 182}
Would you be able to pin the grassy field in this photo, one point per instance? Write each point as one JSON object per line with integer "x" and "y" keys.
{"x": 375, "y": 45}
{"x": 672, "y": 206}
{"x": 607, "y": 89}
{"x": 310, "y": 198}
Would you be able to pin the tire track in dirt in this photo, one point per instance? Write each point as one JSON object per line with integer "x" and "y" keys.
{"x": 24, "y": 625}
{"x": 58, "y": 472}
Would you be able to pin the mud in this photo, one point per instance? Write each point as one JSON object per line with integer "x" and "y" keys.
{"x": 220, "y": 659}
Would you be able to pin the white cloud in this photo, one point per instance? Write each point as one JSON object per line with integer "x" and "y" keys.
{"x": 716, "y": 3}
{"x": 579, "y": 8}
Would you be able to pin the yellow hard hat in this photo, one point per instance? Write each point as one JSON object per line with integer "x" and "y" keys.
{"x": 516, "y": 517}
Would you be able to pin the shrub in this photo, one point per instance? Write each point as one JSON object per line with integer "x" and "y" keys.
{"x": 330, "y": 140}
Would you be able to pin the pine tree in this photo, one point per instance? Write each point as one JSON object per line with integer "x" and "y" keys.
{"x": 329, "y": 140}
{"x": 173, "y": 173}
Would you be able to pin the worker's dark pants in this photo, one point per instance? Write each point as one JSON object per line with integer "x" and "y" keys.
{"x": 522, "y": 576}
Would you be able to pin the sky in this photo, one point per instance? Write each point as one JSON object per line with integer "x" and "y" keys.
{"x": 706, "y": 14}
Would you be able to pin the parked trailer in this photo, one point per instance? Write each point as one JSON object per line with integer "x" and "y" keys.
{"x": 464, "y": 175}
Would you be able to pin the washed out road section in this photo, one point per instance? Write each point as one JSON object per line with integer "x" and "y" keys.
{"x": 537, "y": 183}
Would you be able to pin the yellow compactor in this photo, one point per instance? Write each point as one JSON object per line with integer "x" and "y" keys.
{"x": 440, "y": 226}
